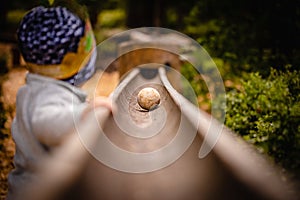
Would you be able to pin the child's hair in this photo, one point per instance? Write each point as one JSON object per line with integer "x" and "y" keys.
{"x": 56, "y": 42}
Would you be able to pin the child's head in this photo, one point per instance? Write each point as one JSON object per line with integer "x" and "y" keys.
{"x": 55, "y": 42}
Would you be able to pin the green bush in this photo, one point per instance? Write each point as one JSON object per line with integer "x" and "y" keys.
{"x": 15, "y": 16}
{"x": 266, "y": 112}
{"x": 246, "y": 37}
{"x": 112, "y": 18}
{"x": 198, "y": 84}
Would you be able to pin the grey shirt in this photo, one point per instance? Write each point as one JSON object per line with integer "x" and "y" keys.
{"x": 46, "y": 111}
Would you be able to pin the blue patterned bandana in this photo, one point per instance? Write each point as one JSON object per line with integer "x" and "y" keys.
{"x": 46, "y": 34}
{"x": 55, "y": 42}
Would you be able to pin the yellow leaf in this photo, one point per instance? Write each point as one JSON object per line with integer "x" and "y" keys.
{"x": 51, "y": 2}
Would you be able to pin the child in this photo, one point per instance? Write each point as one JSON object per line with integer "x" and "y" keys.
{"x": 58, "y": 48}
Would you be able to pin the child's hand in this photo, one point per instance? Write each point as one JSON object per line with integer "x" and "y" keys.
{"x": 100, "y": 101}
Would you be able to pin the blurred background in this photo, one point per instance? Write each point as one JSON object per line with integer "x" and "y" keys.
{"x": 248, "y": 35}
{"x": 254, "y": 43}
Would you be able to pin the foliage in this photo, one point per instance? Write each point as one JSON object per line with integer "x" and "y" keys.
{"x": 198, "y": 84}
{"x": 266, "y": 112}
{"x": 204, "y": 85}
{"x": 15, "y": 16}
{"x": 112, "y": 18}
{"x": 250, "y": 35}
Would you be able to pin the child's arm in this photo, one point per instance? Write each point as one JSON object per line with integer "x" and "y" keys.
{"x": 56, "y": 116}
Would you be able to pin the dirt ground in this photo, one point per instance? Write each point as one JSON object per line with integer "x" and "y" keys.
{"x": 10, "y": 83}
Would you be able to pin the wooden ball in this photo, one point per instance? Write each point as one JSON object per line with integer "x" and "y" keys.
{"x": 148, "y": 98}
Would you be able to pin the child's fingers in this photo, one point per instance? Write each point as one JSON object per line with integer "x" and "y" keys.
{"x": 98, "y": 102}
{"x": 103, "y": 102}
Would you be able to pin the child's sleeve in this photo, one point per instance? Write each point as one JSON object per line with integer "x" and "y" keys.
{"x": 55, "y": 115}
